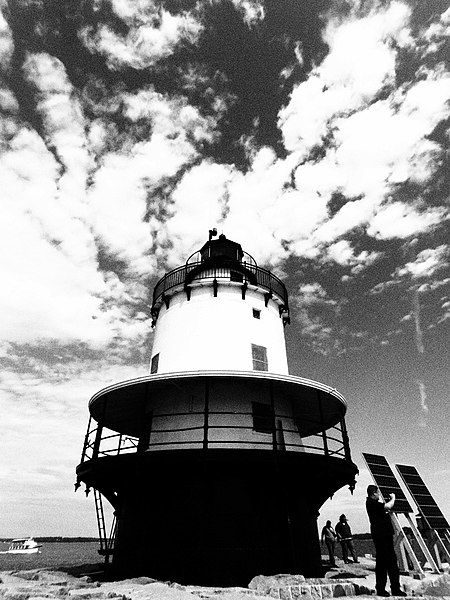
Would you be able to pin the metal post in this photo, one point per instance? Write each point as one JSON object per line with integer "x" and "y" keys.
{"x": 402, "y": 542}
{"x": 322, "y": 426}
{"x": 86, "y": 440}
{"x": 206, "y": 417}
{"x": 422, "y": 544}
{"x": 98, "y": 435}
{"x": 345, "y": 440}
{"x": 147, "y": 418}
{"x": 272, "y": 407}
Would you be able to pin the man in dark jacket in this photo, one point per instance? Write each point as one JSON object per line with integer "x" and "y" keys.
{"x": 345, "y": 538}
{"x": 382, "y": 532}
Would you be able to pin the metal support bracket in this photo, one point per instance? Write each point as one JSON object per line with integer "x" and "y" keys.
{"x": 404, "y": 548}
{"x": 422, "y": 544}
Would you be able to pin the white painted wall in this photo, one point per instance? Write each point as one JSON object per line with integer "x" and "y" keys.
{"x": 211, "y": 333}
{"x": 230, "y": 420}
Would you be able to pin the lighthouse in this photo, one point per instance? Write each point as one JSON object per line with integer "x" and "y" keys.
{"x": 217, "y": 462}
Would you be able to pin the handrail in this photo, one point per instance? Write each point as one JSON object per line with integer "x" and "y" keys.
{"x": 104, "y": 442}
{"x": 219, "y": 269}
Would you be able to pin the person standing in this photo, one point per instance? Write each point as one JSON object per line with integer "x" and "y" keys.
{"x": 345, "y": 538}
{"x": 329, "y": 537}
{"x": 382, "y": 532}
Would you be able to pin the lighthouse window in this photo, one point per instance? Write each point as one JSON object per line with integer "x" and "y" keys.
{"x": 259, "y": 356}
{"x": 262, "y": 417}
{"x": 256, "y": 313}
{"x": 154, "y": 365}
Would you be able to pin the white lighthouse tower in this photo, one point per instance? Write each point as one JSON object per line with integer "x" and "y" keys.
{"x": 217, "y": 462}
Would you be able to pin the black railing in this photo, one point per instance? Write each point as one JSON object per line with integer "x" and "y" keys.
{"x": 282, "y": 435}
{"x": 219, "y": 269}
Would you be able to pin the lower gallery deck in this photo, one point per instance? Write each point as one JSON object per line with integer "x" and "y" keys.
{"x": 216, "y": 517}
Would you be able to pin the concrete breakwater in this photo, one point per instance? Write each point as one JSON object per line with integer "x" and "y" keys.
{"x": 40, "y": 584}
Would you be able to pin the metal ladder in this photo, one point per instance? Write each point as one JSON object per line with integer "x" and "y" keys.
{"x": 100, "y": 522}
{"x": 106, "y": 543}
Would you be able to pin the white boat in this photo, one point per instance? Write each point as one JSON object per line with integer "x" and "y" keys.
{"x": 23, "y": 546}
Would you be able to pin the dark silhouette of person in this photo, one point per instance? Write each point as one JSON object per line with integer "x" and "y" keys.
{"x": 345, "y": 538}
{"x": 329, "y": 537}
{"x": 382, "y": 532}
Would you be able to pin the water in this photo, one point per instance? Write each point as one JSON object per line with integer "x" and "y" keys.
{"x": 53, "y": 554}
{"x": 73, "y": 554}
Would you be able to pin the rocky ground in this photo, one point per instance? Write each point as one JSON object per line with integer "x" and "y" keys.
{"x": 345, "y": 580}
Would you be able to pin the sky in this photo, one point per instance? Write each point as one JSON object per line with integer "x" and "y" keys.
{"x": 313, "y": 132}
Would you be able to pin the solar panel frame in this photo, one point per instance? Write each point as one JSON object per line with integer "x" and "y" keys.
{"x": 426, "y": 504}
{"x": 387, "y": 482}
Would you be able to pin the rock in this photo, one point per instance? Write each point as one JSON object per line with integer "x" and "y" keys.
{"x": 265, "y": 583}
{"x": 46, "y": 577}
{"x": 439, "y": 587}
{"x": 362, "y": 590}
{"x": 138, "y": 580}
{"x": 15, "y": 595}
{"x": 87, "y": 593}
{"x": 28, "y": 575}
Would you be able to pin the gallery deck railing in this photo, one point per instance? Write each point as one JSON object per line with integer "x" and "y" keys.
{"x": 216, "y": 270}
{"x": 101, "y": 441}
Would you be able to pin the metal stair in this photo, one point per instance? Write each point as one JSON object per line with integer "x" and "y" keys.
{"x": 106, "y": 542}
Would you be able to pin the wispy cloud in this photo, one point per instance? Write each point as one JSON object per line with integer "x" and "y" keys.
{"x": 423, "y": 404}
{"x": 152, "y": 34}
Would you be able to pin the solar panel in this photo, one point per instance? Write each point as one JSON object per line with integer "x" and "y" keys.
{"x": 387, "y": 482}
{"x": 422, "y": 497}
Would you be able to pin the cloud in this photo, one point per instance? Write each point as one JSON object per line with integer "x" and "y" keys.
{"x": 6, "y": 41}
{"x": 198, "y": 203}
{"x": 136, "y": 173}
{"x": 152, "y": 35}
{"x": 423, "y": 404}
{"x": 343, "y": 254}
{"x": 445, "y": 307}
{"x": 437, "y": 33}
{"x": 252, "y": 198}
{"x": 417, "y": 322}
{"x": 253, "y": 10}
{"x": 427, "y": 263}
{"x": 400, "y": 220}
{"x": 56, "y": 290}
{"x": 346, "y": 80}
{"x": 317, "y": 315}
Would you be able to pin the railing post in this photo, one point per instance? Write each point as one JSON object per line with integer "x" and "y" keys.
{"x": 86, "y": 440}
{"x": 272, "y": 408}
{"x": 147, "y": 420}
{"x": 322, "y": 425}
{"x": 345, "y": 439}
{"x": 206, "y": 416}
{"x": 98, "y": 435}
{"x": 98, "y": 439}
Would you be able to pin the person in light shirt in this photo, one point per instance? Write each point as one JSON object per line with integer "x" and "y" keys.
{"x": 329, "y": 537}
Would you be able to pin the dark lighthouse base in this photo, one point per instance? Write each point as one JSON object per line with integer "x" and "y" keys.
{"x": 218, "y": 517}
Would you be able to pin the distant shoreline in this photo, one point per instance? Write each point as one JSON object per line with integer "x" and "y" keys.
{"x": 62, "y": 539}
{"x": 52, "y": 539}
